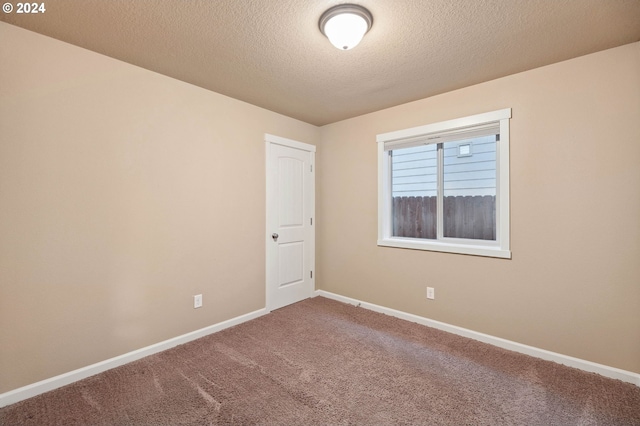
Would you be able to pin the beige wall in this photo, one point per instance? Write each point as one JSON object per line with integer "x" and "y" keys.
{"x": 122, "y": 194}
{"x": 573, "y": 285}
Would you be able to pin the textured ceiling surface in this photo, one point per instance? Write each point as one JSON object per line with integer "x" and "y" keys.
{"x": 271, "y": 53}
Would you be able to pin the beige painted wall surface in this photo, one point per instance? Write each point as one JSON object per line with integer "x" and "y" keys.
{"x": 573, "y": 285}
{"x": 122, "y": 194}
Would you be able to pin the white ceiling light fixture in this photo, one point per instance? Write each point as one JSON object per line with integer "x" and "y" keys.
{"x": 345, "y": 25}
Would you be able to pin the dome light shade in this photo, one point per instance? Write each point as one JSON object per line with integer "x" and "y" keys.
{"x": 345, "y": 25}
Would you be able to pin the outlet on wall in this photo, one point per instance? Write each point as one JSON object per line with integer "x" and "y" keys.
{"x": 431, "y": 293}
{"x": 197, "y": 301}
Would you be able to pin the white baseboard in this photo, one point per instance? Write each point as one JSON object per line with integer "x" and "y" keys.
{"x": 604, "y": 370}
{"x": 52, "y": 383}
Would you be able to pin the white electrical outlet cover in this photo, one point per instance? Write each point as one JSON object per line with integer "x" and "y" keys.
{"x": 197, "y": 301}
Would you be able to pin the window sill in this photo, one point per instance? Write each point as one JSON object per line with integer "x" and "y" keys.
{"x": 474, "y": 250}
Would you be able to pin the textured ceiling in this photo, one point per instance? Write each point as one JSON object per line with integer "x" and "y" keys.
{"x": 271, "y": 53}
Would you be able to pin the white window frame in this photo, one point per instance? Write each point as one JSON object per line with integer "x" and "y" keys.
{"x": 498, "y": 248}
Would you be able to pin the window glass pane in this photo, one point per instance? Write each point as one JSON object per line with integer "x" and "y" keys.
{"x": 414, "y": 186}
{"x": 469, "y": 188}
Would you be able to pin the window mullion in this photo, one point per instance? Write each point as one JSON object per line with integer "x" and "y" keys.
{"x": 440, "y": 193}
{"x": 389, "y": 191}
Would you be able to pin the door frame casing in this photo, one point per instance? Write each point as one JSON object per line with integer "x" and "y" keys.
{"x": 311, "y": 149}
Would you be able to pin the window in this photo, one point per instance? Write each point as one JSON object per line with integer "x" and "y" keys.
{"x": 445, "y": 186}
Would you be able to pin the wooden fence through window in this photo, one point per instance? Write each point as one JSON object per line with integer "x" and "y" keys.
{"x": 464, "y": 217}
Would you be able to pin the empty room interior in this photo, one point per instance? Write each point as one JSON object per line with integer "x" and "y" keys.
{"x": 149, "y": 195}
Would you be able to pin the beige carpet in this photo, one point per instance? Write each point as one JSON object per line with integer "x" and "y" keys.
{"x": 321, "y": 362}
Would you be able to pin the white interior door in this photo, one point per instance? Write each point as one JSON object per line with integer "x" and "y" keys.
{"x": 290, "y": 236}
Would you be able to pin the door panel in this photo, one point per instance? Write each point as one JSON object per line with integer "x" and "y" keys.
{"x": 290, "y": 233}
{"x": 290, "y": 263}
{"x": 290, "y": 190}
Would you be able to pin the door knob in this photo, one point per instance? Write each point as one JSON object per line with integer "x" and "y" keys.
{"x": 274, "y": 236}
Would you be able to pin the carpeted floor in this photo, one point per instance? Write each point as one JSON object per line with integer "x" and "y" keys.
{"x": 321, "y": 362}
